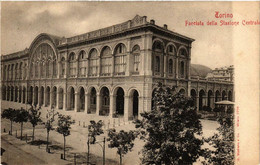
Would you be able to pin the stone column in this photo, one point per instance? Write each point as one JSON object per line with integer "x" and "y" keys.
{"x": 39, "y": 97}
{"x": 112, "y": 105}
{"x": 64, "y": 101}
{"x": 165, "y": 62}
{"x": 98, "y": 104}
{"x": 76, "y": 109}
{"x": 51, "y": 98}
{"x": 57, "y": 98}
{"x": 33, "y": 96}
{"x": 177, "y": 68}
{"x": 126, "y": 108}
{"x": 86, "y": 102}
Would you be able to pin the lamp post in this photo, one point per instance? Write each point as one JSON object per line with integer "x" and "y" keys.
{"x": 103, "y": 146}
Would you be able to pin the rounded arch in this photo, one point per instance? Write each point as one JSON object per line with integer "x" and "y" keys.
{"x": 193, "y": 94}
{"x": 182, "y": 91}
{"x": 93, "y": 52}
{"x": 36, "y": 91}
{"x": 134, "y": 103}
{"x": 182, "y": 51}
{"x": 171, "y": 46}
{"x": 158, "y": 45}
{"x": 72, "y": 56}
{"x": 71, "y": 98}
{"x": 117, "y": 44}
{"x": 224, "y": 95}
{"x": 106, "y": 51}
{"x": 54, "y": 96}
{"x": 41, "y": 95}
{"x": 92, "y": 91}
{"x": 61, "y": 97}
{"x": 230, "y": 96}
{"x": 210, "y": 98}
{"x": 81, "y": 98}
{"x": 217, "y": 96}
{"x": 202, "y": 95}
{"x": 47, "y": 96}
{"x": 120, "y": 100}
{"x": 105, "y": 101}
{"x": 24, "y": 94}
{"x": 82, "y": 55}
{"x": 3, "y": 92}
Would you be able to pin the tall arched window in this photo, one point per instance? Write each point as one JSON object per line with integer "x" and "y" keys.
{"x": 170, "y": 67}
{"x": 93, "y": 63}
{"x": 72, "y": 65}
{"x": 182, "y": 69}
{"x": 20, "y": 70}
{"x": 36, "y": 68}
{"x": 136, "y": 53}
{"x": 54, "y": 66}
{"x": 157, "y": 64}
{"x": 62, "y": 66}
{"x": 82, "y": 64}
{"x": 25, "y": 71}
{"x": 43, "y": 68}
{"x": 48, "y": 63}
{"x": 120, "y": 59}
{"x": 106, "y": 62}
{"x": 16, "y": 71}
{"x": 9, "y": 72}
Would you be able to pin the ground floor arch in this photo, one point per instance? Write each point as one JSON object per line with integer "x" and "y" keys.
{"x": 224, "y": 95}
{"x": 47, "y": 96}
{"x": 61, "y": 97}
{"x": 3, "y": 93}
{"x": 217, "y": 96}
{"x": 210, "y": 100}
{"x": 193, "y": 94}
{"x": 16, "y": 94}
{"x": 105, "y": 101}
{"x": 201, "y": 99}
{"x": 71, "y": 99}
{"x": 134, "y": 104}
{"x": 8, "y": 93}
{"x": 120, "y": 101}
{"x": 81, "y": 99}
{"x": 30, "y": 95}
{"x": 24, "y": 94}
{"x": 93, "y": 101}
{"x": 35, "y": 95}
{"x": 20, "y": 95}
{"x": 41, "y": 101}
{"x": 54, "y": 96}
{"x": 230, "y": 96}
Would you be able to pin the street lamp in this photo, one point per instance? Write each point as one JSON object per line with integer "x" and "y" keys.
{"x": 92, "y": 140}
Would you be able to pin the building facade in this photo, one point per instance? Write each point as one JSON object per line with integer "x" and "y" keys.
{"x": 109, "y": 72}
{"x": 223, "y": 73}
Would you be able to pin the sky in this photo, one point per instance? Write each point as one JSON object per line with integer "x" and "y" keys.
{"x": 21, "y": 22}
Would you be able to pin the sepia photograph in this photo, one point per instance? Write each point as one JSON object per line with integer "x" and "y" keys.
{"x": 129, "y": 83}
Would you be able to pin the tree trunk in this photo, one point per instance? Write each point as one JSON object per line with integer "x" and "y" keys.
{"x": 120, "y": 158}
{"x": 21, "y": 130}
{"x": 88, "y": 153}
{"x": 11, "y": 127}
{"x": 64, "y": 146}
{"x": 33, "y": 133}
{"x": 47, "y": 146}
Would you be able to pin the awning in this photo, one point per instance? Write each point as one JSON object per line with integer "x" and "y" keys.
{"x": 225, "y": 102}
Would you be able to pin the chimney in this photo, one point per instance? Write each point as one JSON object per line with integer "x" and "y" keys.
{"x": 152, "y": 21}
{"x": 165, "y": 26}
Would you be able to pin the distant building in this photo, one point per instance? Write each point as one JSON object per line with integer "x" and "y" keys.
{"x": 110, "y": 72}
{"x": 222, "y": 74}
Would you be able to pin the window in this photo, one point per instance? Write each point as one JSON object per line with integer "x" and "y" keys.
{"x": 170, "y": 49}
{"x": 106, "y": 58}
{"x": 136, "y": 53}
{"x": 157, "y": 64}
{"x": 182, "y": 70}
{"x": 54, "y": 64}
{"x": 120, "y": 59}
{"x": 72, "y": 65}
{"x": 170, "y": 66}
{"x": 62, "y": 66}
{"x": 36, "y": 69}
{"x": 48, "y": 69}
{"x": 93, "y": 63}
{"x": 82, "y": 64}
{"x": 43, "y": 68}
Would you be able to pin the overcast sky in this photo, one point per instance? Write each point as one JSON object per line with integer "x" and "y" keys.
{"x": 21, "y": 22}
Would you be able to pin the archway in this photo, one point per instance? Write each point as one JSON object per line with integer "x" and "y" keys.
{"x": 16, "y": 94}
{"x": 20, "y": 94}
{"x": 61, "y": 93}
{"x": 201, "y": 101}
{"x": 81, "y": 99}
{"x": 194, "y": 97}
{"x": 47, "y": 95}
{"x": 134, "y": 98}
{"x": 35, "y": 95}
{"x": 224, "y": 95}
{"x": 104, "y": 111}
{"x": 30, "y": 95}
{"x": 54, "y": 96}
{"x": 71, "y": 99}
{"x": 182, "y": 91}
{"x": 41, "y": 96}
{"x": 230, "y": 96}
{"x": 120, "y": 96}
{"x": 217, "y": 96}
{"x": 210, "y": 96}
{"x": 93, "y": 101}
{"x": 3, "y": 93}
{"x": 8, "y": 93}
{"x": 24, "y": 94}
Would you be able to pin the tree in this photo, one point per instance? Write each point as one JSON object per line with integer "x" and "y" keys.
{"x": 49, "y": 124}
{"x": 34, "y": 117}
{"x": 94, "y": 129}
{"x": 10, "y": 115}
{"x": 170, "y": 129}
{"x": 64, "y": 123}
{"x": 21, "y": 116}
{"x": 122, "y": 140}
{"x": 223, "y": 141}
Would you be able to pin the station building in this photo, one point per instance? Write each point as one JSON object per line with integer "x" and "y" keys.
{"x": 110, "y": 72}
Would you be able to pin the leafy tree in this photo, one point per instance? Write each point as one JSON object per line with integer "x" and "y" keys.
{"x": 64, "y": 123}
{"x": 10, "y": 115}
{"x": 21, "y": 116}
{"x": 170, "y": 129}
{"x": 95, "y": 129}
{"x": 122, "y": 140}
{"x": 223, "y": 141}
{"x": 34, "y": 117}
{"x": 49, "y": 124}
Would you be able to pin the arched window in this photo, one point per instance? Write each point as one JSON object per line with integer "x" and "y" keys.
{"x": 157, "y": 46}
{"x": 25, "y": 71}
{"x": 93, "y": 63}
{"x": 72, "y": 65}
{"x": 120, "y": 59}
{"x": 157, "y": 64}
{"x": 170, "y": 50}
{"x": 170, "y": 66}
{"x": 20, "y": 70}
{"x": 82, "y": 64}
{"x": 106, "y": 59}
{"x": 43, "y": 68}
{"x": 48, "y": 69}
{"x": 182, "y": 69}
{"x": 62, "y": 66}
{"x": 36, "y": 68}
{"x": 5, "y": 73}
{"x": 54, "y": 65}
{"x": 136, "y": 53}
